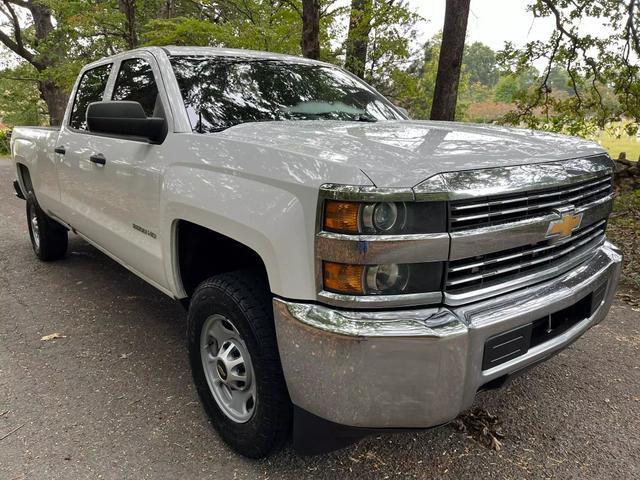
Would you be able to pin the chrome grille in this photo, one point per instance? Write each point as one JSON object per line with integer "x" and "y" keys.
{"x": 486, "y": 270}
{"x": 496, "y": 210}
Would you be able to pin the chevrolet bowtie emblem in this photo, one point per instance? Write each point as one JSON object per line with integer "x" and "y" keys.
{"x": 565, "y": 225}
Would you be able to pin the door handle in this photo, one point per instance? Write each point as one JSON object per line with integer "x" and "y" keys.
{"x": 61, "y": 150}
{"x": 98, "y": 159}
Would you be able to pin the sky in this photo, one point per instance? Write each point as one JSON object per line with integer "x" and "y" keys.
{"x": 495, "y": 21}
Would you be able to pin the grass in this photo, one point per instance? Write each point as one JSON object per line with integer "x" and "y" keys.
{"x": 624, "y": 231}
{"x": 625, "y": 143}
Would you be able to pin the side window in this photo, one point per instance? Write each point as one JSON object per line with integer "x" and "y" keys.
{"x": 136, "y": 83}
{"x": 90, "y": 89}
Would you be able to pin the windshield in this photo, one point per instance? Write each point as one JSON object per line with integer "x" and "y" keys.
{"x": 220, "y": 92}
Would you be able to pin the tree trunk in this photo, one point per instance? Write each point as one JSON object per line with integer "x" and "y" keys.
{"x": 56, "y": 99}
{"x": 445, "y": 95}
{"x": 310, "y": 42}
{"x": 358, "y": 36}
{"x": 128, "y": 8}
{"x": 166, "y": 9}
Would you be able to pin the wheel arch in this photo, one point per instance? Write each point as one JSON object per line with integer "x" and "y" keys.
{"x": 200, "y": 252}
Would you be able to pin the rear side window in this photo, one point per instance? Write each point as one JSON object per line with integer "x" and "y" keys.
{"x": 90, "y": 89}
{"x": 136, "y": 83}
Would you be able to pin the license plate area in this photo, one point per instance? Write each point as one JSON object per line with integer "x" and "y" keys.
{"x": 506, "y": 346}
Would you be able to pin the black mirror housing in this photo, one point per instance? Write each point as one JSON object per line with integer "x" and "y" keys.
{"x": 125, "y": 118}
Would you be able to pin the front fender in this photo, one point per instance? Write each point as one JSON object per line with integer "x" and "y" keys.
{"x": 278, "y": 223}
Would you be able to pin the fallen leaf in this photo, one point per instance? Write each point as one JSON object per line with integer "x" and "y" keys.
{"x": 52, "y": 336}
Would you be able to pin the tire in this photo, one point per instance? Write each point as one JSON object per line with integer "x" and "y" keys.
{"x": 234, "y": 311}
{"x": 48, "y": 238}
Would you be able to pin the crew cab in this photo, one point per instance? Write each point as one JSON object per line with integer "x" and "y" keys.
{"x": 346, "y": 270}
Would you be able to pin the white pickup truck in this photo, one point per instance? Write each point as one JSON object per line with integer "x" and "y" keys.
{"x": 346, "y": 270}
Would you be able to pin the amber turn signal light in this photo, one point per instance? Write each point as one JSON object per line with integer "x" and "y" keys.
{"x": 343, "y": 278}
{"x": 341, "y": 216}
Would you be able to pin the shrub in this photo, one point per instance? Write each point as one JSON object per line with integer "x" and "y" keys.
{"x": 5, "y": 136}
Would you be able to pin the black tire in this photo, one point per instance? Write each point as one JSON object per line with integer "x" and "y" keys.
{"x": 245, "y": 299}
{"x": 50, "y": 241}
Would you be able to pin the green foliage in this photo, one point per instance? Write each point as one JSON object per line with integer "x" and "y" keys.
{"x": 179, "y": 31}
{"x": 4, "y": 142}
{"x": 412, "y": 87}
{"x": 262, "y": 25}
{"x": 20, "y": 102}
{"x": 479, "y": 62}
{"x": 588, "y": 79}
{"x": 393, "y": 30}
{"x": 507, "y": 88}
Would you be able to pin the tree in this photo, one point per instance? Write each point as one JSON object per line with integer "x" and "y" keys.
{"x": 258, "y": 25}
{"x": 507, "y": 88}
{"x": 602, "y": 72}
{"x": 358, "y": 36}
{"x": 310, "y": 43}
{"x": 445, "y": 95}
{"x": 37, "y": 46}
{"x": 480, "y": 64}
{"x": 128, "y": 9}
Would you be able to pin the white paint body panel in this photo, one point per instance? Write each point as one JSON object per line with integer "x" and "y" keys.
{"x": 256, "y": 183}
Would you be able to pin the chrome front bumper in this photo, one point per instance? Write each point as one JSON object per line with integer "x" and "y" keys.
{"x": 421, "y": 368}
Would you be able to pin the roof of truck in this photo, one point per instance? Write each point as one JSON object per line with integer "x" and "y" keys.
{"x": 212, "y": 52}
{"x": 233, "y": 52}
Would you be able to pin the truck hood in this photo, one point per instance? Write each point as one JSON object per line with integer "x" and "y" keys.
{"x": 404, "y": 153}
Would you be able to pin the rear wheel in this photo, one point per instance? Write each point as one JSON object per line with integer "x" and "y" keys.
{"x": 235, "y": 362}
{"x": 48, "y": 238}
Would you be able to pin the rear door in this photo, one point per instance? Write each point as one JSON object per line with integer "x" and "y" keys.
{"x": 121, "y": 192}
{"x": 75, "y": 172}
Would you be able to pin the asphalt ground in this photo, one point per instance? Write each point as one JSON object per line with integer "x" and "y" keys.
{"x": 113, "y": 398}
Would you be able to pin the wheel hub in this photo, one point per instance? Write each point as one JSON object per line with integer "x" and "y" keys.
{"x": 228, "y": 369}
{"x": 35, "y": 228}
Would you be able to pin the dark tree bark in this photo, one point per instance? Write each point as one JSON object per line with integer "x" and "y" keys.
{"x": 166, "y": 9}
{"x": 128, "y": 8}
{"x": 445, "y": 95}
{"x": 54, "y": 96}
{"x": 56, "y": 99}
{"x": 358, "y": 37}
{"x": 310, "y": 42}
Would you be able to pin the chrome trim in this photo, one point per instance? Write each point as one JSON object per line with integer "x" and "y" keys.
{"x": 527, "y": 279}
{"x": 379, "y": 301}
{"x": 381, "y": 249}
{"x": 365, "y": 193}
{"x": 530, "y": 251}
{"x": 430, "y": 322}
{"x": 469, "y": 184}
{"x": 530, "y": 208}
{"x": 351, "y": 378}
{"x": 485, "y": 240}
{"x": 599, "y": 235}
{"x": 606, "y": 179}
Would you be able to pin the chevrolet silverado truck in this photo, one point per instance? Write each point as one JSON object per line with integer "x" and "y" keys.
{"x": 346, "y": 270}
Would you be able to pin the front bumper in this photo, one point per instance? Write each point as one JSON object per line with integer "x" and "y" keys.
{"x": 421, "y": 368}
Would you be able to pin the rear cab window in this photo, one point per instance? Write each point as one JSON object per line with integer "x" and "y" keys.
{"x": 90, "y": 89}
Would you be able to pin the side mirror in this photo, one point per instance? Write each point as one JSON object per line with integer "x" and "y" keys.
{"x": 125, "y": 118}
{"x": 403, "y": 111}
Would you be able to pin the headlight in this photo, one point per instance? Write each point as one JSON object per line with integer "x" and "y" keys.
{"x": 383, "y": 218}
{"x": 387, "y": 279}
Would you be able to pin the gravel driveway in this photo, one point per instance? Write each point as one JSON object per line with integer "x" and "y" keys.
{"x": 113, "y": 398}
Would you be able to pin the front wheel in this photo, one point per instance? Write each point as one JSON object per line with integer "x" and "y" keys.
{"x": 235, "y": 362}
{"x": 48, "y": 238}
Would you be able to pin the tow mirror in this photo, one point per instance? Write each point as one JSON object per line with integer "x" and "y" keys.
{"x": 126, "y": 119}
{"x": 403, "y": 111}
